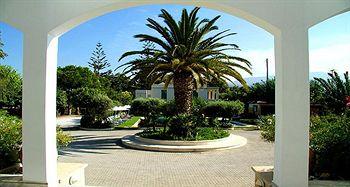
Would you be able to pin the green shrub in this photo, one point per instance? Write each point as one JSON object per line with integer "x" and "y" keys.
{"x": 82, "y": 97}
{"x": 205, "y": 133}
{"x": 262, "y": 91}
{"x": 267, "y": 127}
{"x": 182, "y": 125}
{"x": 97, "y": 107}
{"x": 224, "y": 109}
{"x": 61, "y": 101}
{"x": 168, "y": 108}
{"x": 197, "y": 104}
{"x": 330, "y": 140}
{"x": 146, "y": 106}
{"x": 10, "y": 87}
{"x": 125, "y": 97}
{"x": 211, "y": 133}
{"x": 63, "y": 139}
{"x": 149, "y": 108}
{"x": 10, "y": 139}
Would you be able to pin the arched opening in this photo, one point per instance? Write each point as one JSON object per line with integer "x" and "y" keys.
{"x": 292, "y": 85}
{"x": 89, "y": 144}
{"x": 329, "y": 44}
{"x": 11, "y": 41}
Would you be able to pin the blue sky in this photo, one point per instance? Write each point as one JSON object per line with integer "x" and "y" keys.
{"x": 329, "y": 41}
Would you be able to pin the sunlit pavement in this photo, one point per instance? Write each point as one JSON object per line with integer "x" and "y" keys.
{"x": 111, "y": 164}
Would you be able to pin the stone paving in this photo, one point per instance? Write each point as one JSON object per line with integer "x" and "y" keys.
{"x": 111, "y": 164}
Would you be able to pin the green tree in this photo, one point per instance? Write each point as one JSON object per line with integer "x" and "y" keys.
{"x": 235, "y": 93}
{"x": 262, "y": 91}
{"x": 120, "y": 82}
{"x": 98, "y": 61}
{"x": 124, "y": 97}
{"x": 2, "y": 53}
{"x": 335, "y": 91}
{"x": 189, "y": 55}
{"x": 74, "y": 77}
{"x": 142, "y": 80}
{"x": 316, "y": 92}
{"x": 61, "y": 101}
{"x": 10, "y": 87}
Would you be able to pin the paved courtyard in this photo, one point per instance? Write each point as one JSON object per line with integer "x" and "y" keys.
{"x": 111, "y": 164}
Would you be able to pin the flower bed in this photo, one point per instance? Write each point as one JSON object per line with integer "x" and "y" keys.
{"x": 205, "y": 133}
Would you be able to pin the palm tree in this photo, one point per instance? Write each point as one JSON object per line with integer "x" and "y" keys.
{"x": 336, "y": 91}
{"x": 187, "y": 55}
{"x": 2, "y": 53}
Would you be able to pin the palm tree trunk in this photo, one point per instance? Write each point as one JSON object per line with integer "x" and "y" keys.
{"x": 183, "y": 90}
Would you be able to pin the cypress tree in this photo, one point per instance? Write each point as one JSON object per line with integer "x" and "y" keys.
{"x": 98, "y": 61}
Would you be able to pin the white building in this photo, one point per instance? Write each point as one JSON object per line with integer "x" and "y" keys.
{"x": 158, "y": 91}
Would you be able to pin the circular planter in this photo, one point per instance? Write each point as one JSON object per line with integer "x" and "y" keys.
{"x": 179, "y": 142}
{"x": 93, "y": 129}
{"x": 137, "y": 142}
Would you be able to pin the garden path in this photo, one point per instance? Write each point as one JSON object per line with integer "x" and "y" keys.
{"x": 111, "y": 164}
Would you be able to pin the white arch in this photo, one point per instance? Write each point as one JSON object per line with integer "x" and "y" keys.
{"x": 86, "y": 16}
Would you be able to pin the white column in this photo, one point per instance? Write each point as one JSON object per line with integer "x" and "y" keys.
{"x": 39, "y": 106}
{"x": 292, "y": 107}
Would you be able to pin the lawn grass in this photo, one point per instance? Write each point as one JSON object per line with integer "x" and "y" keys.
{"x": 130, "y": 122}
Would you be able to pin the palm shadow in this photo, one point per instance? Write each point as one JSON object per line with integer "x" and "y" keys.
{"x": 90, "y": 144}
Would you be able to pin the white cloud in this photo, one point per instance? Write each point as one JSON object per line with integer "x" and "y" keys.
{"x": 323, "y": 59}
{"x": 258, "y": 58}
{"x": 335, "y": 56}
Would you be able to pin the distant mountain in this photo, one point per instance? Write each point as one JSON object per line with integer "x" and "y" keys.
{"x": 253, "y": 80}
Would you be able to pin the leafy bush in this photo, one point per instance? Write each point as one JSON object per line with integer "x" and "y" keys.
{"x": 225, "y": 109}
{"x": 97, "y": 107}
{"x": 61, "y": 101}
{"x": 182, "y": 125}
{"x": 10, "y": 87}
{"x": 11, "y": 139}
{"x": 211, "y": 133}
{"x": 168, "y": 108}
{"x": 267, "y": 127}
{"x": 205, "y": 133}
{"x": 124, "y": 97}
{"x": 150, "y": 108}
{"x": 81, "y": 97}
{"x": 316, "y": 92}
{"x": 330, "y": 140}
{"x": 262, "y": 91}
{"x": 63, "y": 139}
{"x": 146, "y": 106}
{"x": 197, "y": 104}
{"x": 235, "y": 93}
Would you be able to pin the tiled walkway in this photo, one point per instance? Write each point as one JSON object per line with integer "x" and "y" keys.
{"x": 111, "y": 164}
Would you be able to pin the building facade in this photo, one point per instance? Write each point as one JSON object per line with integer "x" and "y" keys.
{"x": 158, "y": 91}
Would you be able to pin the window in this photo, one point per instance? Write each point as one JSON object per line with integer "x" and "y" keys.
{"x": 209, "y": 94}
{"x": 164, "y": 94}
{"x": 195, "y": 94}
